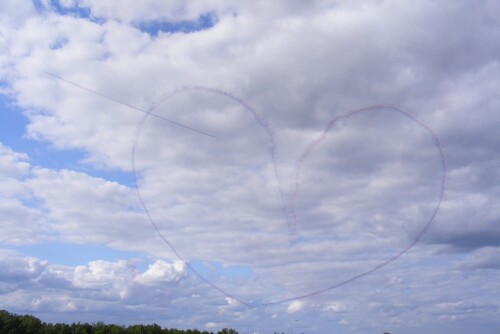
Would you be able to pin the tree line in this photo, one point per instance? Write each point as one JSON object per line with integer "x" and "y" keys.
{"x": 27, "y": 324}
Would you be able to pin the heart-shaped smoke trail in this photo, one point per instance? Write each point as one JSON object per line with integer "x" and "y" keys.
{"x": 288, "y": 202}
{"x": 288, "y": 205}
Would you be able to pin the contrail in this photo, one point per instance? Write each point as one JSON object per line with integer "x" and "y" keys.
{"x": 262, "y": 122}
{"x": 141, "y": 123}
{"x": 288, "y": 203}
{"x": 127, "y": 104}
{"x": 149, "y": 113}
{"x": 312, "y": 146}
{"x": 289, "y": 208}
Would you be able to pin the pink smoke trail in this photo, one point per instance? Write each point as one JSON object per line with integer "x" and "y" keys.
{"x": 262, "y": 122}
{"x": 313, "y": 145}
{"x": 257, "y": 118}
{"x": 126, "y": 104}
{"x": 149, "y": 113}
{"x": 288, "y": 206}
{"x": 286, "y": 210}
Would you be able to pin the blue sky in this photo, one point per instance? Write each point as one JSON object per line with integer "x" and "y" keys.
{"x": 310, "y": 208}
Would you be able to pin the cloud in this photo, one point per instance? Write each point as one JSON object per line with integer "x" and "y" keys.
{"x": 48, "y": 287}
{"x": 87, "y": 209}
{"x": 21, "y": 224}
{"x": 336, "y": 307}
{"x": 470, "y": 222}
{"x": 130, "y": 11}
{"x": 483, "y": 258}
{"x": 22, "y": 221}
{"x": 100, "y": 273}
{"x": 295, "y": 306}
{"x": 14, "y": 14}
{"x": 17, "y": 269}
{"x": 12, "y": 164}
{"x": 162, "y": 272}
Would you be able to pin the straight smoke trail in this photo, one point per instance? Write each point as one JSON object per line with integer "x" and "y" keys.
{"x": 127, "y": 104}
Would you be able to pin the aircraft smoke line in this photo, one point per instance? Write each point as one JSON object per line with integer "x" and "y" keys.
{"x": 107, "y": 97}
{"x": 288, "y": 204}
{"x": 313, "y": 145}
{"x": 140, "y": 125}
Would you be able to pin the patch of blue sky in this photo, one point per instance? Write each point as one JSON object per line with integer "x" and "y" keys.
{"x": 123, "y": 178}
{"x": 12, "y": 124}
{"x": 59, "y": 44}
{"x": 214, "y": 270}
{"x": 12, "y": 134}
{"x": 75, "y": 254}
{"x": 75, "y": 11}
{"x": 153, "y": 28}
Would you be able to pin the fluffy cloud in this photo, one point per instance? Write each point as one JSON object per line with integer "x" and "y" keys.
{"x": 131, "y": 11}
{"x": 295, "y": 306}
{"x": 12, "y": 164}
{"x": 17, "y": 269}
{"x": 22, "y": 222}
{"x": 119, "y": 283}
{"x": 162, "y": 272}
{"x": 84, "y": 208}
{"x": 484, "y": 258}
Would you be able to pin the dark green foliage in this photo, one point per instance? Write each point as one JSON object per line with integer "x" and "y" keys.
{"x": 19, "y": 324}
{"x": 227, "y": 331}
{"x": 26, "y": 324}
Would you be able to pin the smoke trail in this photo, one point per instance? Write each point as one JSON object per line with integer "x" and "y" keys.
{"x": 149, "y": 113}
{"x": 288, "y": 205}
{"x": 261, "y": 121}
{"x": 126, "y": 104}
{"x": 287, "y": 210}
{"x": 313, "y": 145}
{"x": 273, "y": 152}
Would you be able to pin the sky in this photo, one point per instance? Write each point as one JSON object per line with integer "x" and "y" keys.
{"x": 285, "y": 166}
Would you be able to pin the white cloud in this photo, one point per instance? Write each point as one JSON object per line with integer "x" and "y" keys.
{"x": 231, "y": 301}
{"x": 162, "y": 272}
{"x": 17, "y": 269}
{"x": 483, "y": 258}
{"x": 12, "y": 164}
{"x": 101, "y": 273}
{"x": 46, "y": 287}
{"x": 21, "y": 224}
{"x": 89, "y": 209}
{"x": 14, "y": 13}
{"x": 152, "y": 9}
{"x": 211, "y": 325}
{"x": 295, "y": 306}
{"x": 336, "y": 307}
{"x": 22, "y": 221}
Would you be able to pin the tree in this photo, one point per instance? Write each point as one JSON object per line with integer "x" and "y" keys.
{"x": 27, "y": 324}
{"x": 227, "y": 331}
{"x": 30, "y": 324}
